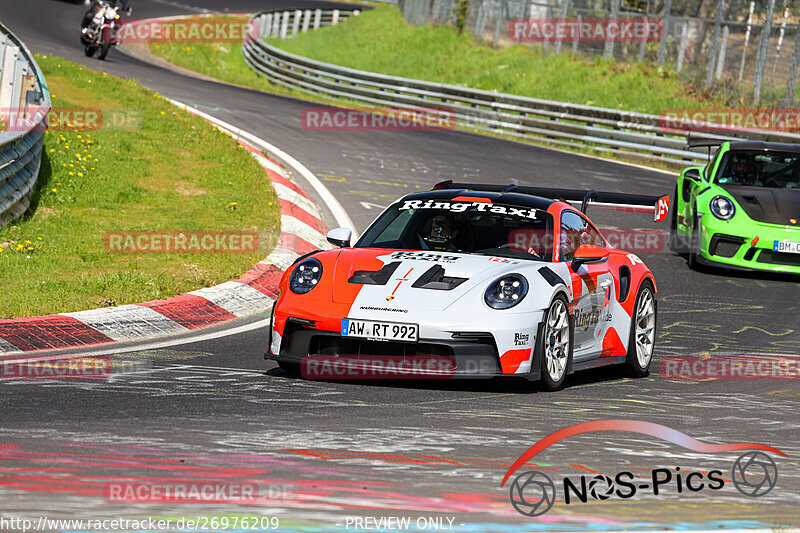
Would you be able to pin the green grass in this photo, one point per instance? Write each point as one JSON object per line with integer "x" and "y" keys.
{"x": 379, "y": 40}
{"x": 165, "y": 170}
{"x": 222, "y": 61}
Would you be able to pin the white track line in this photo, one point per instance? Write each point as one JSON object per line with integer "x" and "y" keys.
{"x": 339, "y": 213}
{"x": 152, "y": 345}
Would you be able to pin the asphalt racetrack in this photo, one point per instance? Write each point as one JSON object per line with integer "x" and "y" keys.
{"x": 341, "y": 456}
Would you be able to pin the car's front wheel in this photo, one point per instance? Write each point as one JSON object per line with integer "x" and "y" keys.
{"x": 556, "y": 344}
{"x": 643, "y": 332}
{"x": 694, "y": 247}
{"x": 675, "y": 242}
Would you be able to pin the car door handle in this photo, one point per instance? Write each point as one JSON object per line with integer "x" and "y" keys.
{"x": 604, "y": 284}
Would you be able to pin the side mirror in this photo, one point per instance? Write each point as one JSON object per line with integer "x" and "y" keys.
{"x": 339, "y": 237}
{"x": 692, "y": 174}
{"x": 588, "y": 253}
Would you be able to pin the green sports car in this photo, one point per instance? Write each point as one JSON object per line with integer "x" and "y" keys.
{"x": 742, "y": 210}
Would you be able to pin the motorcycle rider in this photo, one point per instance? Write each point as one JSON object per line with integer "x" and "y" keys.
{"x": 96, "y": 8}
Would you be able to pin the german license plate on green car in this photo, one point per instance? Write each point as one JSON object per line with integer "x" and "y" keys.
{"x": 786, "y": 246}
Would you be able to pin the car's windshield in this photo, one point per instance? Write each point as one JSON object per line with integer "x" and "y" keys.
{"x": 760, "y": 169}
{"x": 476, "y": 227}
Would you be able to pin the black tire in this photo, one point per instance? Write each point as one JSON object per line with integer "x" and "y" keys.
{"x": 675, "y": 242}
{"x": 548, "y": 382}
{"x": 104, "y": 48}
{"x": 633, "y": 365}
{"x": 292, "y": 369}
{"x": 694, "y": 246}
{"x": 89, "y": 50}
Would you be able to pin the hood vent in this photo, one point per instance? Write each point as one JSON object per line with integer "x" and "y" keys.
{"x": 435, "y": 279}
{"x": 768, "y": 205}
{"x": 374, "y": 277}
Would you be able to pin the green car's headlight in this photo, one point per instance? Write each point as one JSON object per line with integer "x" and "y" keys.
{"x": 722, "y": 208}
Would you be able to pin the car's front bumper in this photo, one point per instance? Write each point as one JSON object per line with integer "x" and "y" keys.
{"x": 466, "y": 347}
{"x": 747, "y": 247}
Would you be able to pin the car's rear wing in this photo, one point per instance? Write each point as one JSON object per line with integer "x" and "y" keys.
{"x": 702, "y": 142}
{"x": 658, "y": 206}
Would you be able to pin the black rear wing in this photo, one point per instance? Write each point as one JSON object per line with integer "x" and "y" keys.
{"x": 700, "y": 142}
{"x": 658, "y": 206}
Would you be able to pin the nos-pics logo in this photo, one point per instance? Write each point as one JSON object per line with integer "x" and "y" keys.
{"x": 533, "y": 493}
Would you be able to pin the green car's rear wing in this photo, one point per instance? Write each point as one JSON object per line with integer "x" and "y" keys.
{"x": 658, "y": 206}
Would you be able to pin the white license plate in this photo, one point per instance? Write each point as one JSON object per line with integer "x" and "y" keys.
{"x": 786, "y": 246}
{"x": 384, "y": 331}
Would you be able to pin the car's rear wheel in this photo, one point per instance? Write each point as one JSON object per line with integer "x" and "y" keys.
{"x": 556, "y": 345}
{"x": 643, "y": 332}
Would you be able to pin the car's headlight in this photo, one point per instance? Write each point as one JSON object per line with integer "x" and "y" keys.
{"x": 722, "y": 208}
{"x": 305, "y": 277}
{"x": 506, "y": 292}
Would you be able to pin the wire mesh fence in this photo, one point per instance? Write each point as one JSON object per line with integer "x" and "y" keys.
{"x": 751, "y": 48}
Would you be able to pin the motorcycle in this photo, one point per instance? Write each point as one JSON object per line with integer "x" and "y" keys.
{"x": 100, "y": 34}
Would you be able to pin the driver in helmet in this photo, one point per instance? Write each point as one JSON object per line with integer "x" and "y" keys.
{"x": 742, "y": 172}
{"x": 442, "y": 232}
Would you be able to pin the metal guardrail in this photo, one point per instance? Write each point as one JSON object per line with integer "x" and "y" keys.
{"x": 623, "y": 134}
{"x": 24, "y": 104}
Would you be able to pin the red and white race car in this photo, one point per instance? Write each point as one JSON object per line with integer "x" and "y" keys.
{"x": 495, "y": 280}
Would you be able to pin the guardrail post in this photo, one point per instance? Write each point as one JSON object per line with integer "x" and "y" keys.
{"x": 335, "y": 18}
{"x": 284, "y": 24}
{"x": 296, "y": 22}
{"x": 480, "y": 20}
{"x": 793, "y": 68}
{"x": 3, "y": 49}
{"x": 780, "y": 38}
{"x": 564, "y": 8}
{"x": 643, "y": 43}
{"x": 276, "y": 25}
{"x": 712, "y": 53}
{"x": 306, "y": 20}
{"x": 682, "y": 47}
{"x": 722, "y": 51}
{"x": 498, "y": 5}
{"x": 575, "y": 42}
{"x": 317, "y": 18}
{"x": 662, "y": 46}
{"x": 746, "y": 39}
{"x": 7, "y": 85}
{"x": 763, "y": 46}
{"x": 608, "y": 49}
{"x": 20, "y": 69}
